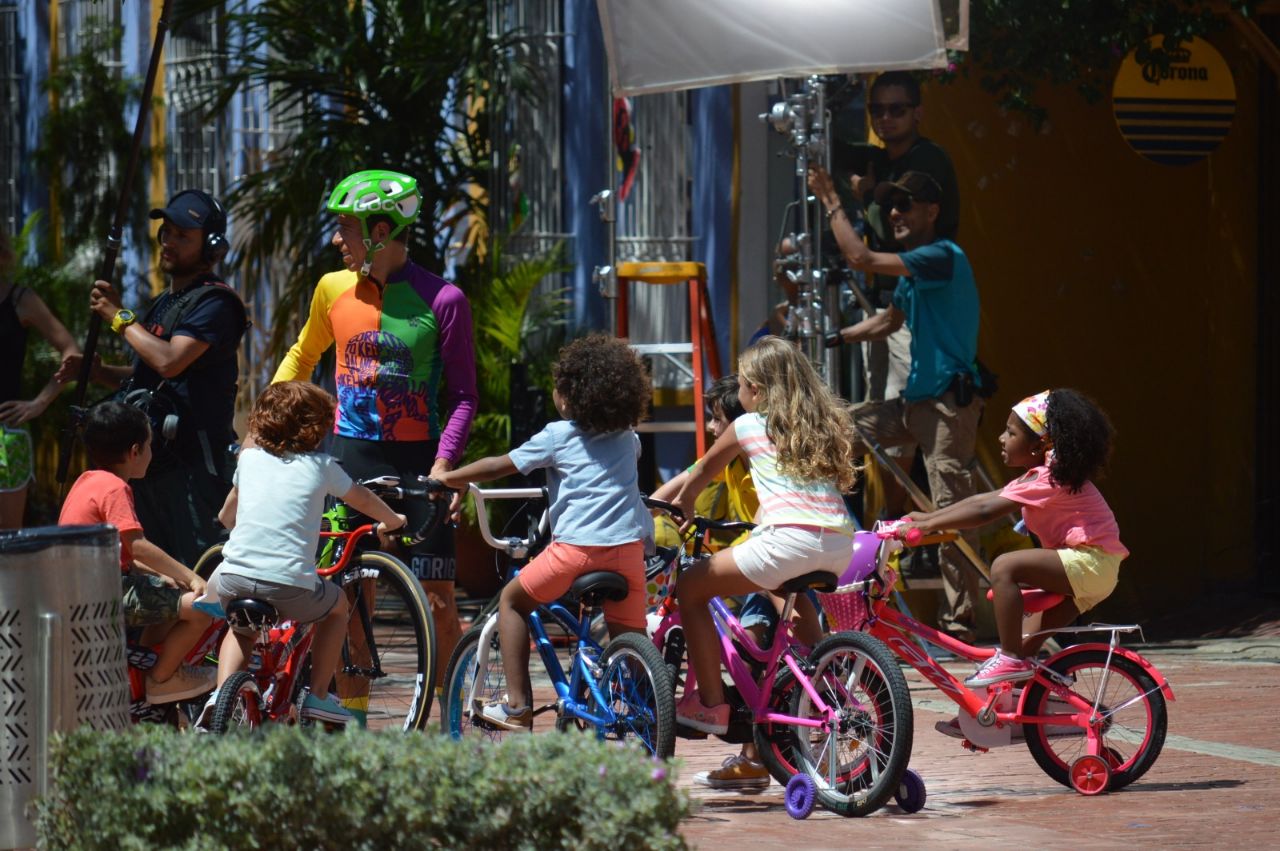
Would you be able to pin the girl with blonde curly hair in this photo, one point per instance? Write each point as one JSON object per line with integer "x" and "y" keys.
{"x": 797, "y": 437}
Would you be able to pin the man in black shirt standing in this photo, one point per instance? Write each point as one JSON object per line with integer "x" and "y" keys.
{"x": 184, "y": 374}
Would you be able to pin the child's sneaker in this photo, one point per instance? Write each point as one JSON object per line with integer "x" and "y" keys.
{"x": 1000, "y": 669}
{"x": 187, "y": 682}
{"x": 709, "y": 719}
{"x": 499, "y": 714}
{"x": 328, "y": 710}
{"x": 205, "y": 718}
{"x": 736, "y": 772}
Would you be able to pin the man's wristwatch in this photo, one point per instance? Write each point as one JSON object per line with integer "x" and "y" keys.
{"x": 123, "y": 319}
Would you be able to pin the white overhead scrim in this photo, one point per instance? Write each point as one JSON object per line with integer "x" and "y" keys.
{"x": 666, "y": 45}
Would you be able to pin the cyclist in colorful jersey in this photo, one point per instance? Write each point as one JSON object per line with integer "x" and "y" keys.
{"x": 405, "y": 368}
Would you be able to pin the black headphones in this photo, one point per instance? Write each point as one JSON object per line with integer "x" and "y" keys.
{"x": 216, "y": 244}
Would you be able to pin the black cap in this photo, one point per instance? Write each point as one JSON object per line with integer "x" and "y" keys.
{"x": 915, "y": 184}
{"x": 193, "y": 209}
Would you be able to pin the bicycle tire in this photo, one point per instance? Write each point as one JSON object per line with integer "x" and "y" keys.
{"x": 858, "y": 676}
{"x": 1134, "y": 734}
{"x": 208, "y": 561}
{"x": 641, "y": 699}
{"x": 388, "y": 664}
{"x": 239, "y": 704}
{"x": 455, "y": 715}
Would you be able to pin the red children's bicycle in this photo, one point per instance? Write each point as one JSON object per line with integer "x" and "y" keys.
{"x": 1093, "y": 715}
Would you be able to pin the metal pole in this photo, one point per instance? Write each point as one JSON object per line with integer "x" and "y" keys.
{"x": 114, "y": 237}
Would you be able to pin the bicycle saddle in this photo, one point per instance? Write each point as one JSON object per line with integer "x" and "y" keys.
{"x": 594, "y": 588}
{"x": 818, "y": 580}
{"x": 1035, "y": 599}
{"x": 248, "y": 613}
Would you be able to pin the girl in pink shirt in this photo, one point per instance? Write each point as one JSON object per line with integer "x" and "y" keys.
{"x": 1063, "y": 440}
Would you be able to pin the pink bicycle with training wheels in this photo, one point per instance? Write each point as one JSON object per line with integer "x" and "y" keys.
{"x": 833, "y": 724}
{"x": 1093, "y": 715}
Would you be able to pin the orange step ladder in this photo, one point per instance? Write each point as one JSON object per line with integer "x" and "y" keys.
{"x": 702, "y": 343}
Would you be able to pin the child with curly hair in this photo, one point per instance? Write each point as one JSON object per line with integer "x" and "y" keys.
{"x": 797, "y": 437}
{"x": 274, "y": 512}
{"x": 598, "y": 518}
{"x": 1063, "y": 440}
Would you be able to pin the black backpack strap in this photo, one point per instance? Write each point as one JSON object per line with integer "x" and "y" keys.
{"x": 184, "y": 303}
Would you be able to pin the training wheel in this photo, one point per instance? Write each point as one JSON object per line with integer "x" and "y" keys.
{"x": 1114, "y": 758}
{"x": 1090, "y": 775}
{"x": 800, "y": 795}
{"x": 911, "y": 795}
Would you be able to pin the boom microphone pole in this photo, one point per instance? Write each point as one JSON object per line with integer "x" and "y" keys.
{"x": 114, "y": 237}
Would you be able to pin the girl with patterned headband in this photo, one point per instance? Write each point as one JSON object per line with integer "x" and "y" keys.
{"x": 1063, "y": 440}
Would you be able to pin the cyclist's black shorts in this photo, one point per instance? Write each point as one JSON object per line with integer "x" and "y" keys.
{"x": 405, "y": 459}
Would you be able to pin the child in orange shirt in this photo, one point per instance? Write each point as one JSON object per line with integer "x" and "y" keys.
{"x": 158, "y": 591}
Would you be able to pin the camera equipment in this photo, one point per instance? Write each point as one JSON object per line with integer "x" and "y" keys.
{"x": 160, "y": 408}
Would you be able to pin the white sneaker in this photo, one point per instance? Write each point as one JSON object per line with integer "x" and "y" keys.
{"x": 187, "y": 682}
{"x": 205, "y": 718}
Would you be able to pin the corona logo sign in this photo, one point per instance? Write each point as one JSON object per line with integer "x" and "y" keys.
{"x": 1178, "y": 113}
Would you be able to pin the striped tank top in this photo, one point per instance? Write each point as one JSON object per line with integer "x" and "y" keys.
{"x": 786, "y": 501}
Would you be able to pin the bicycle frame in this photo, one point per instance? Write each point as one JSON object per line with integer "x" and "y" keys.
{"x": 755, "y": 695}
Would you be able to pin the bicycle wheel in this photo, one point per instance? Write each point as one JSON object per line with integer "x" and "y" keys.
{"x": 464, "y": 672}
{"x": 640, "y": 695}
{"x": 857, "y": 765}
{"x": 1133, "y": 731}
{"x": 388, "y": 668}
{"x": 239, "y": 704}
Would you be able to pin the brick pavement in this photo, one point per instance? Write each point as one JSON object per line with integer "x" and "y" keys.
{"x": 1216, "y": 783}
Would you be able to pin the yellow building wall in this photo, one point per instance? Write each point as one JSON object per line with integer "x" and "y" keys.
{"x": 1135, "y": 283}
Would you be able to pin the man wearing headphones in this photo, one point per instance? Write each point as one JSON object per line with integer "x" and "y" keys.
{"x": 183, "y": 374}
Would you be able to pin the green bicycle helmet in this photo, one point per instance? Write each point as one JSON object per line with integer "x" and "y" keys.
{"x": 377, "y": 192}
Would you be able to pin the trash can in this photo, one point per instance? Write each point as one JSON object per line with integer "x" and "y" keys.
{"x": 62, "y": 655}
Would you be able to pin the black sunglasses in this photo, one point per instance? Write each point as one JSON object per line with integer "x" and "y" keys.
{"x": 896, "y": 109}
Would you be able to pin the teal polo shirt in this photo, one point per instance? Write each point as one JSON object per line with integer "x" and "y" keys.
{"x": 940, "y": 300}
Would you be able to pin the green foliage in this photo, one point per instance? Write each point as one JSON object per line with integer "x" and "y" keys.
{"x": 151, "y": 787}
{"x": 402, "y": 84}
{"x": 512, "y": 323}
{"x": 85, "y": 144}
{"x": 1015, "y": 45}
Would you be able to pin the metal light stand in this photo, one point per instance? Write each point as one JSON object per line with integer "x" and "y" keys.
{"x": 802, "y": 117}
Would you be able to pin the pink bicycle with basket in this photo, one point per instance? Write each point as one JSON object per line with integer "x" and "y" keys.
{"x": 1093, "y": 715}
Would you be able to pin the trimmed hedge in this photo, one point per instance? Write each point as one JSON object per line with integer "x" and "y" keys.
{"x": 151, "y": 787}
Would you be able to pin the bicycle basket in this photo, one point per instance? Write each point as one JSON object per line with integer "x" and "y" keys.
{"x": 846, "y": 612}
{"x": 660, "y": 576}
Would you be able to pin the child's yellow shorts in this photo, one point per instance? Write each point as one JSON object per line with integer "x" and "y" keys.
{"x": 1092, "y": 572}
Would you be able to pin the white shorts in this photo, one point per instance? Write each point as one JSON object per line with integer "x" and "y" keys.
{"x": 774, "y": 554}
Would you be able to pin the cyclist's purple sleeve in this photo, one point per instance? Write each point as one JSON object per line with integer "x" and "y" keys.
{"x": 458, "y": 356}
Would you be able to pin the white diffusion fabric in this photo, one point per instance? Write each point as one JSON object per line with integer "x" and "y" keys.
{"x": 666, "y": 45}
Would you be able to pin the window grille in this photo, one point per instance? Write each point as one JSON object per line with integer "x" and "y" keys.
{"x": 196, "y": 154}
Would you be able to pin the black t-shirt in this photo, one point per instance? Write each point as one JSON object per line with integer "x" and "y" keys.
{"x": 207, "y": 388}
{"x": 930, "y": 158}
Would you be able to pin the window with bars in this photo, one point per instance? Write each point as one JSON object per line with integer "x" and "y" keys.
{"x": 196, "y": 155}
{"x": 10, "y": 126}
{"x": 526, "y": 192}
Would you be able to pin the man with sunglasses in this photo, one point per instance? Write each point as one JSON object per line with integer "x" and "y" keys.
{"x": 184, "y": 375}
{"x": 937, "y": 298}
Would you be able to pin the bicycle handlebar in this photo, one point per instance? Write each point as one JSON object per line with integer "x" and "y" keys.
{"x": 701, "y": 524}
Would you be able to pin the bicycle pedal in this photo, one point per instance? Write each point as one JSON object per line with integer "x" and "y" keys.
{"x": 689, "y": 733}
{"x": 970, "y": 746}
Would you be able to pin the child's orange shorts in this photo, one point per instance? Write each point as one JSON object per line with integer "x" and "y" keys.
{"x": 553, "y": 570}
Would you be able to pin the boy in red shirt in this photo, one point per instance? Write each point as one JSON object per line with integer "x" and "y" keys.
{"x": 158, "y": 591}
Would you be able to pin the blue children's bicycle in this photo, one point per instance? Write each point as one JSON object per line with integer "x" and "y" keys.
{"x": 621, "y": 690}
